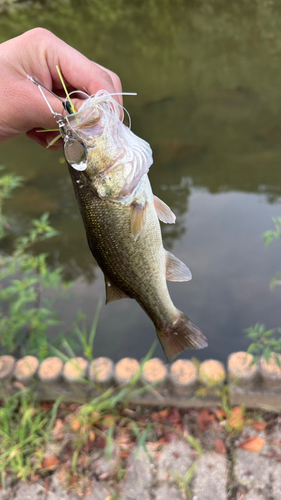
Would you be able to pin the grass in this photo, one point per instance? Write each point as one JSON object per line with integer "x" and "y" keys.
{"x": 184, "y": 482}
{"x": 26, "y": 427}
{"x": 25, "y": 430}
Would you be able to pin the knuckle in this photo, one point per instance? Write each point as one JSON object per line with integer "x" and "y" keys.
{"x": 107, "y": 78}
{"x": 38, "y": 34}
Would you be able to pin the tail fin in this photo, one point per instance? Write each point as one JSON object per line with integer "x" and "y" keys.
{"x": 180, "y": 336}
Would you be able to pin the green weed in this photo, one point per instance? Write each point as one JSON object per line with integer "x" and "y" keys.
{"x": 265, "y": 342}
{"x": 24, "y": 432}
{"x": 184, "y": 482}
{"x": 26, "y": 314}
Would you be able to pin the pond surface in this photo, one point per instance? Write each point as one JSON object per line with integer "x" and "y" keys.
{"x": 208, "y": 78}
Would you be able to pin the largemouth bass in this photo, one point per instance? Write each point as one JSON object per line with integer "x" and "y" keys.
{"x": 108, "y": 165}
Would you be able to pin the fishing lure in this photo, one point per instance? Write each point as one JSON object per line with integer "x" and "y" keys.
{"x": 69, "y": 125}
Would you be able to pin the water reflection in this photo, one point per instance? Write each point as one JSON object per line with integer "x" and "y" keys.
{"x": 209, "y": 103}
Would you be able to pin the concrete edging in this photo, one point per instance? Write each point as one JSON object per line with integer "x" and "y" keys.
{"x": 182, "y": 384}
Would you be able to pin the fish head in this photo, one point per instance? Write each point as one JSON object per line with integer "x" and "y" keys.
{"x": 106, "y": 150}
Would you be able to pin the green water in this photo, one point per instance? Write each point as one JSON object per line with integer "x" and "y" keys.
{"x": 208, "y": 78}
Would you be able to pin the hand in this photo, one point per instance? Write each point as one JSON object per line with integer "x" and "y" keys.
{"x": 37, "y": 53}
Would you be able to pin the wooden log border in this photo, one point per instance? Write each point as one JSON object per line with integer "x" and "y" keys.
{"x": 183, "y": 383}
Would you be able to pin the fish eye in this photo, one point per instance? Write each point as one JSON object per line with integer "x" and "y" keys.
{"x": 76, "y": 155}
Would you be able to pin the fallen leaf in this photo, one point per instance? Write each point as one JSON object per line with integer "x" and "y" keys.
{"x": 75, "y": 424}
{"x": 259, "y": 426}
{"x": 18, "y": 385}
{"x": 220, "y": 414}
{"x": 46, "y": 405}
{"x": 174, "y": 416}
{"x": 163, "y": 414}
{"x": 92, "y": 436}
{"x": 236, "y": 418}
{"x": 220, "y": 447}
{"x": 155, "y": 416}
{"x": 129, "y": 412}
{"x": 101, "y": 442}
{"x": 159, "y": 416}
{"x": 36, "y": 477}
{"x": 124, "y": 454}
{"x": 50, "y": 463}
{"x": 88, "y": 446}
{"x": 103, "y": 476}
{"x": 58, "y": 430}
{"x": 204, "y": 419}
{"x": 123, "y": 438}
{"x": 252, "y": 444}
{"x": 152, "y": 446}
{"x": 73, "y": 406}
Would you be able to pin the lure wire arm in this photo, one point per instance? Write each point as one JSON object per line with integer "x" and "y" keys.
{"x": 41, "y": 87}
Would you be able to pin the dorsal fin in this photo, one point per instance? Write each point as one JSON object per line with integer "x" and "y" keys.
{"x": 164, "y": 212}
{"x": 176, "y": 270}
{"x": 113, "y": 292}
{"x": 138, "y": 219}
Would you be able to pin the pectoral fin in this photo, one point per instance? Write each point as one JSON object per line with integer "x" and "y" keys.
{"x": 176, "y": 270}
{"x": 113, "y": 292}
{"x": 138, "y": 219}
{"x": 164, "y": 212}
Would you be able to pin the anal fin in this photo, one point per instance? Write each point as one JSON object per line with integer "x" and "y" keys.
{"x": 138, "y": 219}
{"x": 164, "y": 212}
{"x": 176, "y": 270}
{"x": 113, "y": 292}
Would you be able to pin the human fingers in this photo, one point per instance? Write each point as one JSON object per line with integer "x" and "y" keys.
{"x": 78, "y": 71}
